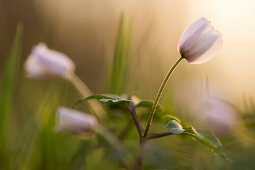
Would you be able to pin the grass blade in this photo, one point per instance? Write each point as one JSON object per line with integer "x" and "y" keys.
{"x": 6, "y": 93}
{"x": 121, "y": 54}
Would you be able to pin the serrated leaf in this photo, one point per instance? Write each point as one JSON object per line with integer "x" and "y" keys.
{"x": 207, "y": 138}
{"x": 174, "y": 127}
{"x": 104, "y": 98}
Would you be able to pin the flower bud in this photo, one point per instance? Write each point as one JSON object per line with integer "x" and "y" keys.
{"x": 43, "y": 62}
{"x": 74, "y": 121}
{"x": 199, "y": 42}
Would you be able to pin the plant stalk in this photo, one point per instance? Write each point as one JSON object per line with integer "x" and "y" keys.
{"x": 141, "y": 154}
{"x": 158, "y": 96}
{"x": 137, "y": 122}
{"x": 158, "y": 135}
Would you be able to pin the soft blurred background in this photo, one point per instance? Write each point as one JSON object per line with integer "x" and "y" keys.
{"x": 87, "y": 31}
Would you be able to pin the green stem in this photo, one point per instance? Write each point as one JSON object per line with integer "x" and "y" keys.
{"x": 155, "y": 104}
{"x": 84, "y": 91}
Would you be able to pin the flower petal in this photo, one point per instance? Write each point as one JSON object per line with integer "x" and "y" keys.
{"x": 34, "y": 68}
{"x": 74, "y": 121}
{"x": 206, "y": 47}
{"x": 192, "y": 33}
{"x": 56, "y": 62}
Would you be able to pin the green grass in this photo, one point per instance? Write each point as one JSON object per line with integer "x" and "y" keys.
{"x": 6, "y": 95}
{"x": 121, "y": 55}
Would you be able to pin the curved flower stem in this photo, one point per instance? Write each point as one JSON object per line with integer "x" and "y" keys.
{"x": 155, "y": 104}
{"x": 84, "y": 91}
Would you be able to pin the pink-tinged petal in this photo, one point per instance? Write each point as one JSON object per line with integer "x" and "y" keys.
{"x": 206, "y": 48}
{"x": 199, "y": 42}
{"x": 191, "y": 34}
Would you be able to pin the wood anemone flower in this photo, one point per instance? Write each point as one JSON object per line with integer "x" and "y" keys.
{"x": 73, "y": 121}
{"x": 199, "y": 42}
{"x": 43, "y": 62}
{"x": 219, "y": 115}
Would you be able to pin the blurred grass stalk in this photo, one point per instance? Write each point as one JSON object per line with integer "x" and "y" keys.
{"x": 94, "y": 106}
{"x": 7, "y": 88}
{"x": 120, "y": 58}
{"x": 38, "y": 124}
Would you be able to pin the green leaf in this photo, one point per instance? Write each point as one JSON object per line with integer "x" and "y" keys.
{"x": 207, "y": 138}
{"x": 147, "y": 104}
{"x": 167, "y": 118}
{"x": 104, "y": 98}
{"x": 174, "y": 127}
{"x": 6, "y": 93}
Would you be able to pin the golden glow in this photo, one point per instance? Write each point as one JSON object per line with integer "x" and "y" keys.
{"x": 161, "y": 23}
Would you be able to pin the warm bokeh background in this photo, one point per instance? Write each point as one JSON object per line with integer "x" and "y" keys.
{"x": 87, "y": 31}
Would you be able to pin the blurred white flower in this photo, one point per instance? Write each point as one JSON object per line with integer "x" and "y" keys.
{"x": 199, "y": 42}
{"x": 206, "y": 105}
{"x": 220, "y": 115}
{"x": 74, "y": 121}
{"x": 43, "y": 62}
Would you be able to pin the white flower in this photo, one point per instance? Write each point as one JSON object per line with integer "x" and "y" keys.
{"x": 43, "y": 62}
{"x": 199, "y": 42}
{"x": 74, "y": 121}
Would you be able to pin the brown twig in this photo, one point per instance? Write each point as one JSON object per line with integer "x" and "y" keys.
{"x": 137, "y": 122}
{"x": 158, "y": 135}
{"x": 141, "y": 153}
{"x": 143, "y": 139}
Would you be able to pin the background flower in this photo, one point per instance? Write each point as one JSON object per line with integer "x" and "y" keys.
{"x": 74, "y": 121}
{"x": 43, "y": 62}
